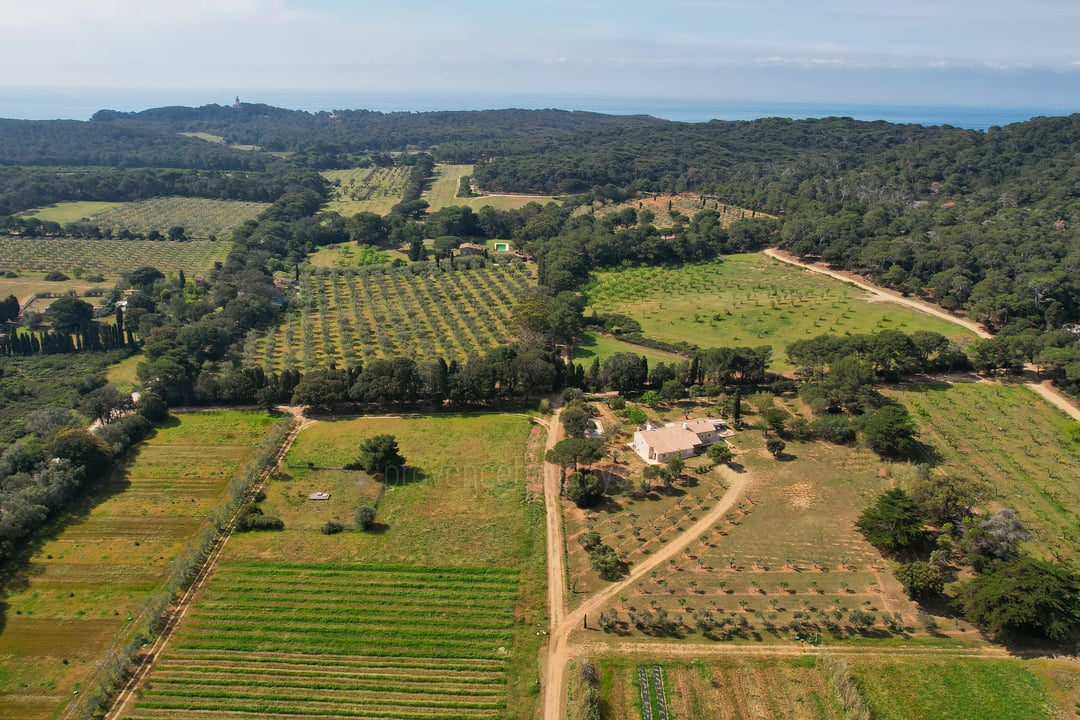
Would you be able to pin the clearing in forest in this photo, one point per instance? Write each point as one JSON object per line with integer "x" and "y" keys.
{"x": 87, "y": 587}
{"x": 447, "y": 181}
{"x": 688, "y": 204}
{"x": 417, "y": 311}
{"x": 371, "y": 189}
{"x": 749, "y": 300}
{"x": 434, "y": 613}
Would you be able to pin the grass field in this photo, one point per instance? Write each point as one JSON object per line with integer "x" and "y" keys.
{"x": 68, "y": 212}
{"x": 444, "y": 186}
{"x": 435, "y": 614}
{"x": 372, "y": 189}
{"x": 600, "y": 345}
{"x": 968, "y": 688}
{"x": 351, "y": 315}
{"x": 1011, "y": 437}
{"x": 27, "y": 285}
{"x": 105, "y": 257}
{"x": 749, "y": 300}
{"x": 347, "y": 255}
{"x": 723, "y": 689}
{"x": 87, "y": 582}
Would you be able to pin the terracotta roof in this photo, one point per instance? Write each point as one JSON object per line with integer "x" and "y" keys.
{"x": 670, "y": 439}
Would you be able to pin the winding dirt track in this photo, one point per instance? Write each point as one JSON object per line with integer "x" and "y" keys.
{"x": 561, "y": 648}
{"x": 1042, "y": 388}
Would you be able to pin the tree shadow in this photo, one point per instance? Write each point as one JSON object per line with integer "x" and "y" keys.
{"x": 786, "y": 457}
{"x": 18, "y": 571}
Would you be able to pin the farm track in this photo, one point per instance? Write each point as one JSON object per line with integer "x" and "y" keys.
{"x": 563, "y": 624}
{"x": 1042, "y": 388}
{"x": 146, "y": 662}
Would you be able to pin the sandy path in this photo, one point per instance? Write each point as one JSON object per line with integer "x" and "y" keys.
{"x": 120, "y": 704}
{"x": 1043, "y": 388}
{"x": 560, "y": 649}
{"x": 879, "y": 293}
{"x": 554, "y": 673}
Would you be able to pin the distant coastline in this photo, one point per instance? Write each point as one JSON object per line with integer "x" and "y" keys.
{"x": 80, "y": 104}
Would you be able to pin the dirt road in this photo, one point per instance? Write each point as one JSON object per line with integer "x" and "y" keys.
{"x": 557, "y": 657}
{"x": 1042, "y": 388}
{"x": 560, "y": 649}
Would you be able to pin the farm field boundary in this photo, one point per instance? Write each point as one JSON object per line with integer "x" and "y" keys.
{"x": 279, "y": 639}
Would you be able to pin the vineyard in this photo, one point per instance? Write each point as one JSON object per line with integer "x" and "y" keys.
{"x": 275, "y": 640}
{"x": 419, "y": 311}
{"x": 108, "y": 257}
{"x": 200, "y": 217}
{"x": 373, "y": 189}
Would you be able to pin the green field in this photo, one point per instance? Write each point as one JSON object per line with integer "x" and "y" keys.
{"x": 106, "y": 257}
{"x": 967, "y": 688}
{"x": 434, "y": 614}
{"x": 749, "y": 300}
{"x": 1008, "y": 435}
{"x": 340, "y": 641}
{"x": 86, "y": 585}
{"x": 68, "y": 212}
{"x": 380, "y": 311}
{"x": 371, "y": 189}
{"x": 444, "y": 186}
{"x": 600, "y": 345}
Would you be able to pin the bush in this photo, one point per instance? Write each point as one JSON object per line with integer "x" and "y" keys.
{"x": 834, "y": 428}
{"x": 617, "y": 403}
{"x": 365, "y": 517}
{"x": 606, "y": 562}
{"x": 251, "y": 517}
{"x": 720, "y": 453}
{"x": 799, "y": 427}
{"x": 56, "y": 276}
{"x": 921, "y": 580}
{"x": 775, "y": 446}
{"x": 331, "y": 528}
{"x": 589, "y": 540}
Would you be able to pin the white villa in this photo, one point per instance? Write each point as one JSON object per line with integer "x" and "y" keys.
{"x": 683, "y": 439}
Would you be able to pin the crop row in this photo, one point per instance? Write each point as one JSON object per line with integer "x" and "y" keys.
{"x": 276, "y": 640}
{"x": 108, "y": 257}
{"x": 200, "y": 217}
{"x": 353, "y": 316}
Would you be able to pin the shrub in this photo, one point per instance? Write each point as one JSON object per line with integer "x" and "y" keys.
{"x": 606, "y": 562}
{"x": 56, "y": 276}
{"x": 921, "y": 580}
{"x": 331, "y": 528}
{"x": 720, "y": 453}
{"x": 365, "y": 517}
{"x": 589, "y": 540}
{"x": 834, "y": 428}
{"x": 617, "y": 403}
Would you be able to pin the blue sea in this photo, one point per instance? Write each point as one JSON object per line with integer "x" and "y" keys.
{"x": 80, "y": 104}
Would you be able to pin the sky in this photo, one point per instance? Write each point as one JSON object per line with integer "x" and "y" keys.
{"x": 923, "y": 52}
